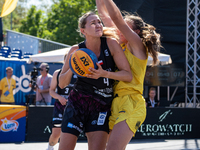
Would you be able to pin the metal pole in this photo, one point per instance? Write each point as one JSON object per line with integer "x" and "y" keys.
{"x": 187, "y": 30}
{"x": 168, "y": 93}
{"x": 11, "y": 21}
{"x": 195, "y": 55}
{"x": 158, "y": 92}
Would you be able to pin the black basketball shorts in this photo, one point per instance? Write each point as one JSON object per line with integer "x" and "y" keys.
{"x": 83, "y": 113}
{"x": 57, "y": 114}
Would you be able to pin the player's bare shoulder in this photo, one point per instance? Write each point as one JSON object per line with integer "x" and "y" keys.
{"x": 73, "y": 48}
{"x": 113, "y": 45}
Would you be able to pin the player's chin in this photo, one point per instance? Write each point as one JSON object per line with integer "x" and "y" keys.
{"x": 99, "y": 34}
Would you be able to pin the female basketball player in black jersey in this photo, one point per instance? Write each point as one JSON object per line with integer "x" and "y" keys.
{"x": 89, "y": 102}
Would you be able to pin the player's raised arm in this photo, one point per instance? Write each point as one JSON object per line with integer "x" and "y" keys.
{"x": 124, "y": 28}
{"x": 103, "y": 14}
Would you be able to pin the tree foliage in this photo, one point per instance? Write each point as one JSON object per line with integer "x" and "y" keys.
{"x": 33, "y": 24}
{"x": 62, "y": 21}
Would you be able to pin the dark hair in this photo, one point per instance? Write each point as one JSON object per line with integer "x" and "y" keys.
{"x": 148, "y": 35}
{"x": 46, "y": 66}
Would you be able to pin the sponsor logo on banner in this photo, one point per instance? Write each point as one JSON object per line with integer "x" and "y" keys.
{"x": 47, "y": 129}
{"x": 165, "y": 127}
{"x": 164, "y": 115}
{"x": 22, "y": 83}
{"x": 9, "y": 125}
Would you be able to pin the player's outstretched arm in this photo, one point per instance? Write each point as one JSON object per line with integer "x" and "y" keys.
{"x": 103, "y": 14}
{"x": 116, "y": 16}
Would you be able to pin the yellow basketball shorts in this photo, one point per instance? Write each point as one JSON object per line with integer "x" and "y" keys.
{"x": 131, "y": 108}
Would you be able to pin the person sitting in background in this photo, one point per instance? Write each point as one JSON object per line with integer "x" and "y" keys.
{"x": 7, "y": 85}
{"x": 151, "y": 101}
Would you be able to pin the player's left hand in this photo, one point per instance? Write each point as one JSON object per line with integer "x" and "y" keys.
{"x": 62, "y": 100}
{"x": 96, "y": 73}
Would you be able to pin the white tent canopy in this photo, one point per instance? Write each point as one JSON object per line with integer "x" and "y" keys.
{"x": 51, "y": 56}
{"x": 58, "y": 56}
{"x": 164, "y": 59}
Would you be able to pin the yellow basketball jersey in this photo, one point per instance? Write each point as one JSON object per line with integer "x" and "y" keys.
{"x": 138, "y": 69}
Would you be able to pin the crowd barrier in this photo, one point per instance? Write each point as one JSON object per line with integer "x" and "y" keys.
{"x": 12, "y": 123}
{"x": 170, "y": 123}
{"x": 39, "y": 123}
{"x": 160, "y": 123}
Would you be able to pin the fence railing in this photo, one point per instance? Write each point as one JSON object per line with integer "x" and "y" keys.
{"x": 28, "y": 43}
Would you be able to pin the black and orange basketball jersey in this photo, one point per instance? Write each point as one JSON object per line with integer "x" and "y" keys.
{"x": 65, "y": 91}
{"x": 101, "y": 88}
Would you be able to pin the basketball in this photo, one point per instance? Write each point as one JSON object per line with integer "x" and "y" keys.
{"x": 81, "y": 60}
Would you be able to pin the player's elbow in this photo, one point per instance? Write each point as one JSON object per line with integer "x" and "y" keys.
{"x": 129, "y": 76}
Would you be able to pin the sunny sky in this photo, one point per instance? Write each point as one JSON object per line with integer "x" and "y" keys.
{"x": 38, "y": 3}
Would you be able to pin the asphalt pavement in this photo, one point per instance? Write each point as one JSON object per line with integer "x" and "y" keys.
{"x": 135, "y": 144}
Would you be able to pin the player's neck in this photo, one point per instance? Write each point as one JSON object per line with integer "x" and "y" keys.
{"x": 93, "y": 45}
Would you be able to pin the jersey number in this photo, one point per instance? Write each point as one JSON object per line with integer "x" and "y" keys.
{"x": 106, "y": 81}
{"x": 66, "y": 90}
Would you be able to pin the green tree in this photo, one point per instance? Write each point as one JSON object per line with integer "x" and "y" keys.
{"x": 33, "y": 24}
{"x": 62, "y": 20}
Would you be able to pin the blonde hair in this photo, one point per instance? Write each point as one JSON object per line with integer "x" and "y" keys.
{"x": 9, "y": 68}
{"x": 148, "y": 35}
{"x": 107, "y": 32}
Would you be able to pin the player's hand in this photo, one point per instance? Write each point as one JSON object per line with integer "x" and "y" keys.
{"x": 62, "y": 100}
{"x": 96, "y": 73}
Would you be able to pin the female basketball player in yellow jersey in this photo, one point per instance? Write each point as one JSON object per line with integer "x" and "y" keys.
{"x": 137, "y": 39}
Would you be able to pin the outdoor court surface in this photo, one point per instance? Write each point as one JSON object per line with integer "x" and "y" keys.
{"x": 144, "y": 144}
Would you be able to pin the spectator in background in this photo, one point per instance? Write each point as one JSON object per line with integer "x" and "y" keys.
{"x": 7, "y": 85}
{"x": 151, "y": 101}
{"x": 43, "y": 85}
